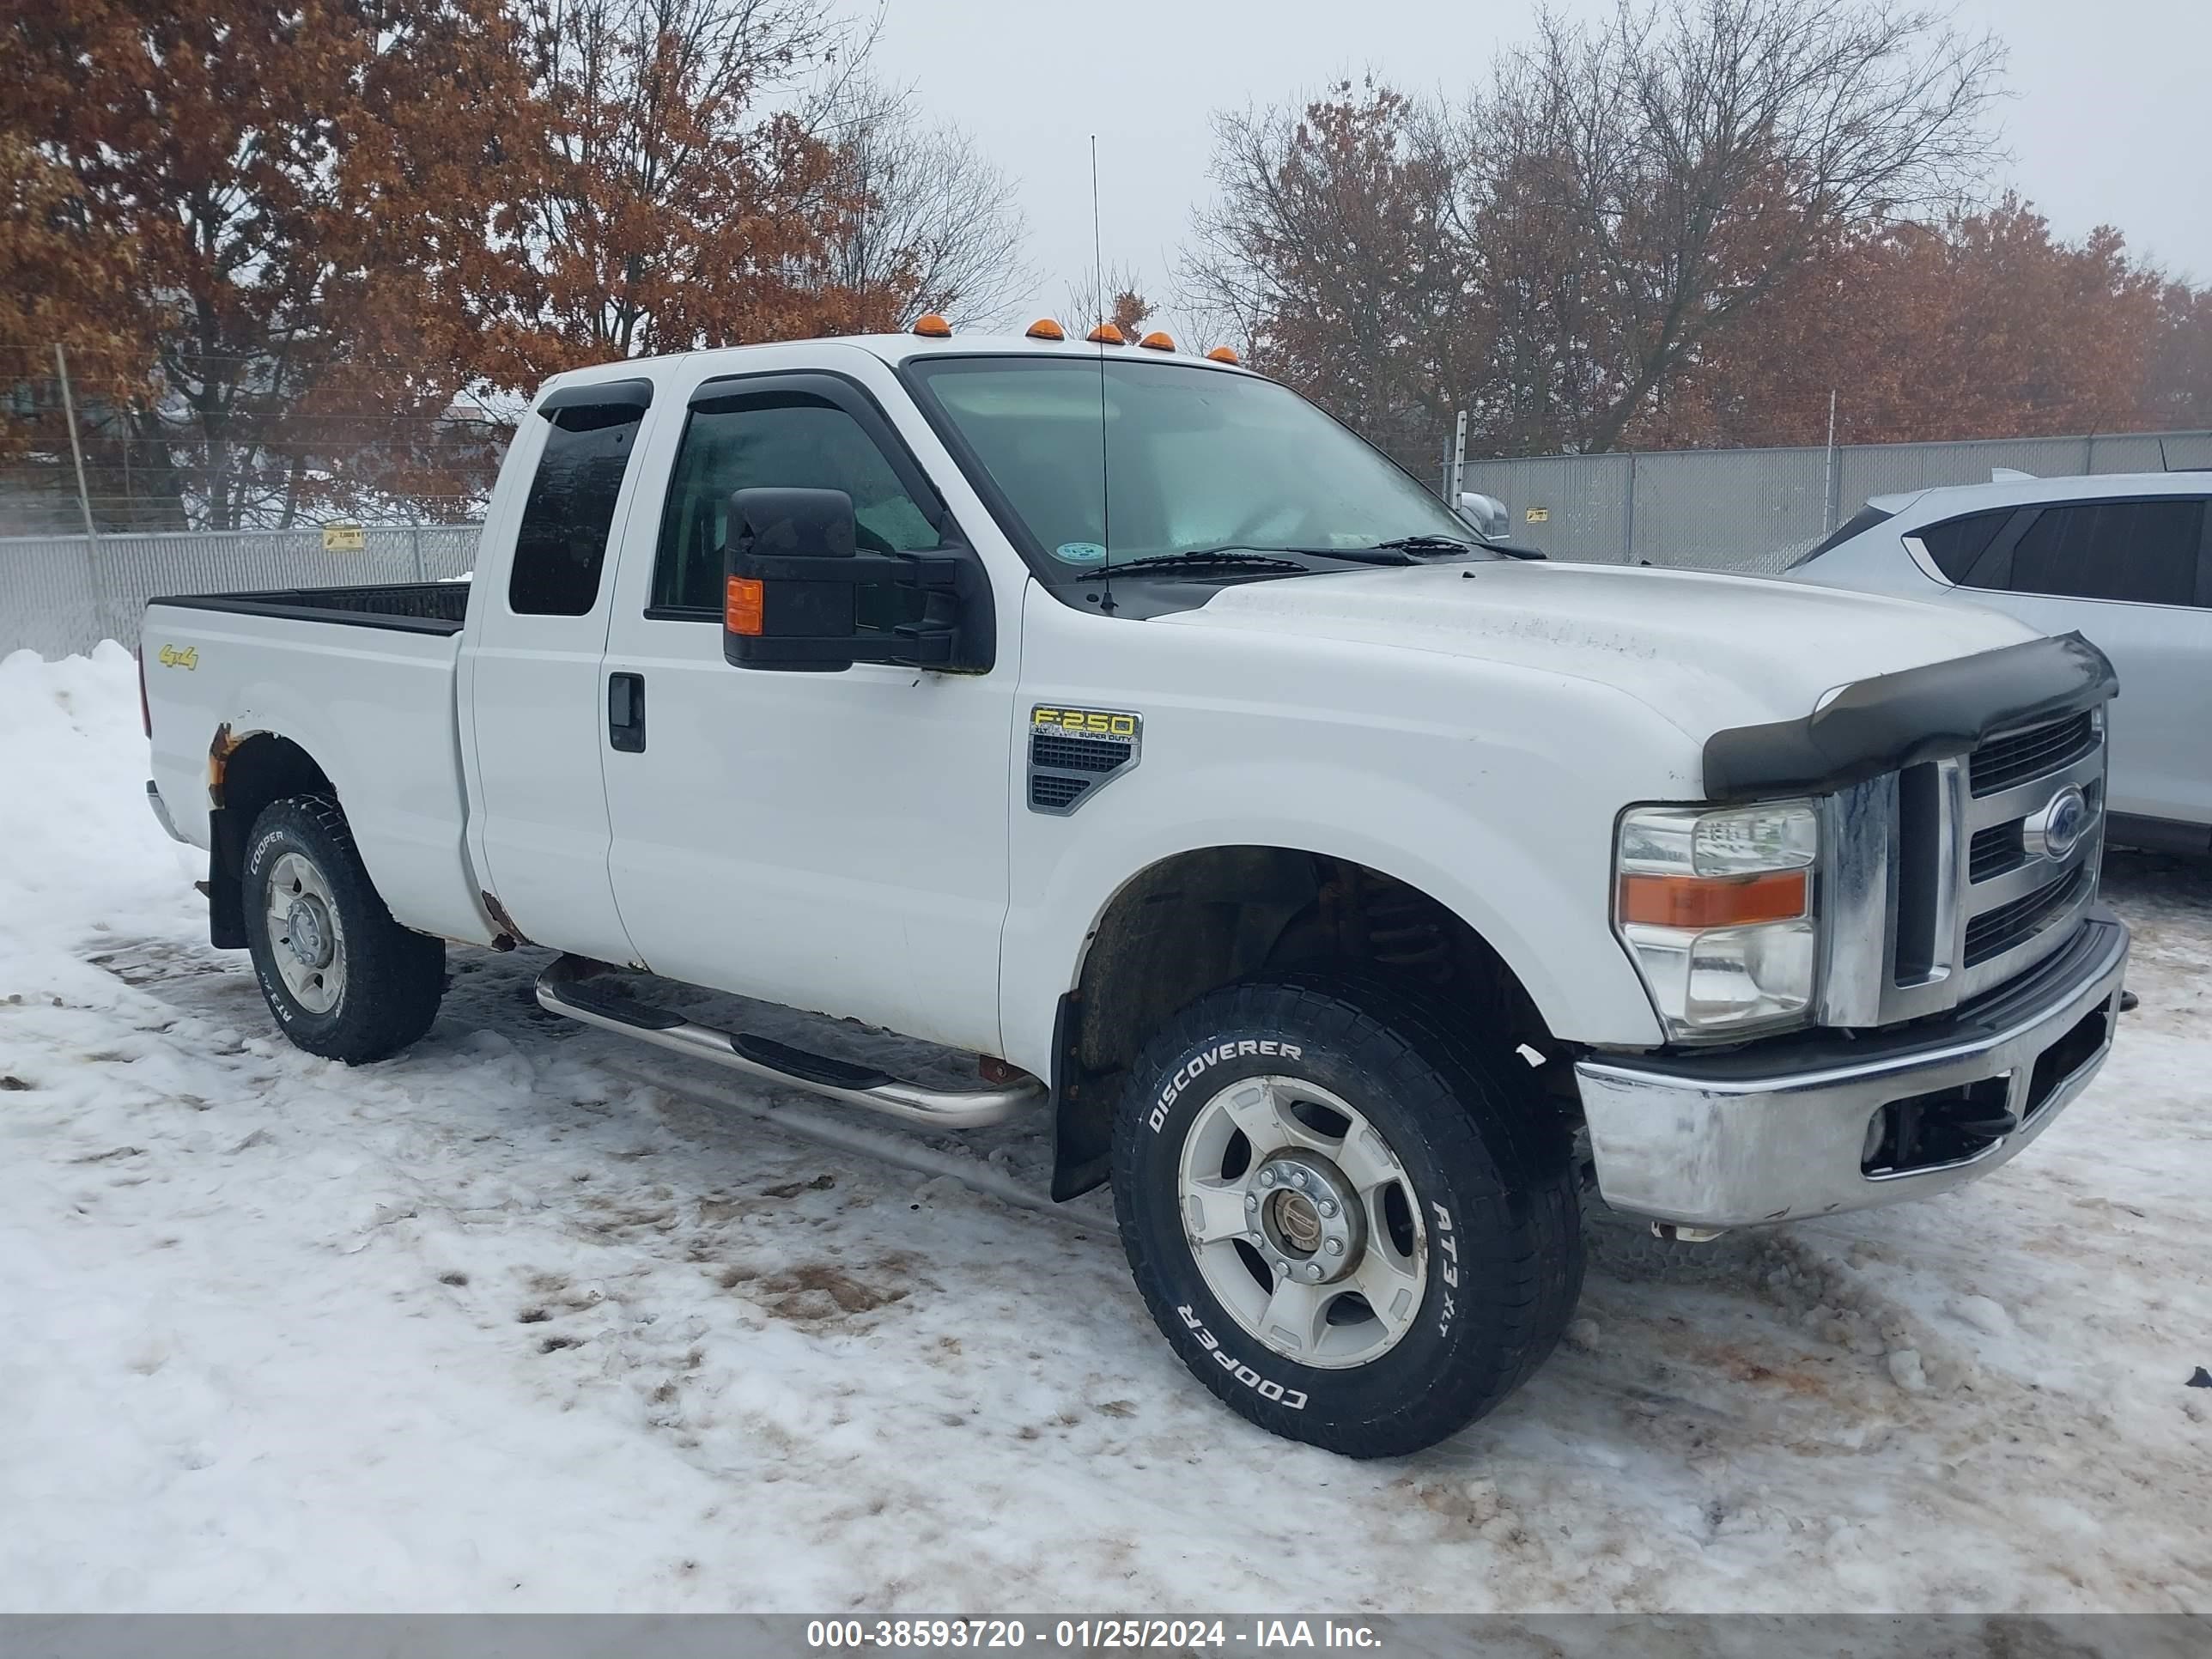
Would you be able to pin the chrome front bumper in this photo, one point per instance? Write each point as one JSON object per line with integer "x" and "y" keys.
{"x": 1778, "y": 1131}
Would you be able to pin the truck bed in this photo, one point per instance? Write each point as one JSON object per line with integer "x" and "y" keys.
{"x": 413, "y": 607}
{"x": 363, "y": 680}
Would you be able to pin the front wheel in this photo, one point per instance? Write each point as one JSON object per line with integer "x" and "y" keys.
{"x": 343, "y": 978}
{"x": 1355, "y": 1221}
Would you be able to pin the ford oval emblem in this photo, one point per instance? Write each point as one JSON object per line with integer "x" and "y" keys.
{"x": 2057, "y": 829}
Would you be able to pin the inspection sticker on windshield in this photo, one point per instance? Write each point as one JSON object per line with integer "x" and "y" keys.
{"x": 1081, "y": 553}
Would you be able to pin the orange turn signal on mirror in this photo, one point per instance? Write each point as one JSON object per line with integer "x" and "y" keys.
{"x": 742, "y": 606}
{"x": 1714, "y": 900}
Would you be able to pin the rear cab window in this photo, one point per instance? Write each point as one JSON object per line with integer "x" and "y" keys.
{"x": 561, "y": 547}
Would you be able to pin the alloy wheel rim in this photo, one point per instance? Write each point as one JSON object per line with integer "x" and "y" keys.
{"x": 306, "y": 939}
{"x": 1303, "y": 1221}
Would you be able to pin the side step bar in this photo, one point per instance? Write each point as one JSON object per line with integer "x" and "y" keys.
{"x": 581, "y": 990}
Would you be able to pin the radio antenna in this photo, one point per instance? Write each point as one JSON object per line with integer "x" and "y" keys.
{"x": 1105, "y": 487}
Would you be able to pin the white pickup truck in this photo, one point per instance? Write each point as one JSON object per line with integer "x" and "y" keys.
{"x": 1355, "y": 894}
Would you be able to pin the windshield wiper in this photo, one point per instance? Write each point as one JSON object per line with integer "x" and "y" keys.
{"x": 1429, "y": 545}
{"x": 1200, "y": 558}
{"x": 1384, "y": 554}
{"x": 1271, "y": 560}
{"x": 1454, "y": 544}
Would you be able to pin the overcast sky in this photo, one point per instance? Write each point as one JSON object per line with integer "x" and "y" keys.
{"x": 2110, "y": 121}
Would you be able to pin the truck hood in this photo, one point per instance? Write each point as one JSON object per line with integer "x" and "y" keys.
{"x": 1704, "y": 651}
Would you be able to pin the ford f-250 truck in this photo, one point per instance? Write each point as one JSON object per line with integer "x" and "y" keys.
{"x": 1355, "y": 895}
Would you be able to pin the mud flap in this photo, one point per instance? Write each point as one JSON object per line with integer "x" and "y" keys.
{"x": 1082, "y": 1112}
{"x": 225, "y": 889}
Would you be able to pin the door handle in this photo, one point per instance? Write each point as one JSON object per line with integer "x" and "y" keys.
{"x": 626, "y": 713}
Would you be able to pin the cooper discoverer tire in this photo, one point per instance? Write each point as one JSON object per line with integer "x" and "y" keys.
{"x": 1414, "y": 1173}
{"x": 344, "y": 979}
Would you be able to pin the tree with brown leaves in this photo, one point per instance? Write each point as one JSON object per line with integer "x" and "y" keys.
{"x": 301, "y": 201}
{"x": 665, "y": 210}
{"x": 1985, "y": 325}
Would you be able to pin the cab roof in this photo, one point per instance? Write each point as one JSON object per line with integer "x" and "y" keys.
{"x": 894, "y": 349}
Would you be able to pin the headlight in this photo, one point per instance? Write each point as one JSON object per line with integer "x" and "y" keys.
{"x": 1717, "y": 908}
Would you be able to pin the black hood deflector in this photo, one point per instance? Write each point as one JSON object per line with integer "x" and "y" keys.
{"x": 1917, "y": 714}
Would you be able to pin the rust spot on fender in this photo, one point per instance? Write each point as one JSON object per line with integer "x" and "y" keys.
{"x": 220, "y": 751}
{"x": 509, "y": 935}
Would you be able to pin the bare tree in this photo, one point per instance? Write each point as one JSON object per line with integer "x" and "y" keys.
{"x": 1334, "y": 256}
{"x": 935, "y": 221}
{"x": 1642, "y": 181}
{"x": 1114, "y": 295}
{"x": 1555, "y": 252}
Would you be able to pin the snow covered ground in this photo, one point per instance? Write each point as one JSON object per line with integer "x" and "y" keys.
{"x": 501, "y": 1326}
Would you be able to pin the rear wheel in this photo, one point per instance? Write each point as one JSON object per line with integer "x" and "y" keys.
{"x": 1355, "y": 1221}
{"x": 343, "y": 978}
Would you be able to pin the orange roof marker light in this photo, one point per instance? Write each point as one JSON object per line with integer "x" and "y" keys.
{"x": 1106, "y": 334}
{"x": 1045, "y": 329}
{"x": 1222, "y": 354}
{"x": 930, "y": 325}
{"x": 1156, "y": 341}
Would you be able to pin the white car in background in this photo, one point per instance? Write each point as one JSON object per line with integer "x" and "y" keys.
{"x": 2124, "y": 559}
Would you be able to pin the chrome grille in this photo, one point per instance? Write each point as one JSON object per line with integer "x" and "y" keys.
{"x": 1996, "y": 931}
{"x": 2034, "y": 751}
{"x": 1937, "y": 889}
{"x": 1993, "y": 851}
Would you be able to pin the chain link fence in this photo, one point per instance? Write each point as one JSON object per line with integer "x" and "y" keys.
{"x": 60, "y": 594}
{"x": 1754, "y": 510}
{"x": 1749, "y": 510}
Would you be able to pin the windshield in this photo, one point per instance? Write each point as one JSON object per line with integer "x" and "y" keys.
{"x": 1196, "y": 460}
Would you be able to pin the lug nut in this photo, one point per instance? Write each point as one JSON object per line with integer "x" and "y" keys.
{"x": 1298, "y": 1177}
{"x": 1312, "y": 1270}
{"x": 1267, "y": 1178}
{"x": 1336, "y": 1247}
{"x": 1251, "y": 1201}
{"x": 1328, "y": 1207}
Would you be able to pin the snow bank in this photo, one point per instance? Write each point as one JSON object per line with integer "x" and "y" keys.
{"x": 498, "y": 1326}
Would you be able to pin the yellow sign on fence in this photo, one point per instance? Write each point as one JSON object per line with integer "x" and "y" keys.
{"x": 343, "y": 538}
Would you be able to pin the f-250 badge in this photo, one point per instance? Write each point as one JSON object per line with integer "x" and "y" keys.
{"x": 1073, "y": 751}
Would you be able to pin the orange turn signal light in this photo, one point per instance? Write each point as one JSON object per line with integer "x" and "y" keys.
{"x": 933, "y": 326}
{"x": 742, "y": 605}
{"x": 1715, "y": 902}
{"x": 1105, "y": 334}
{"x": 1045, "y": 329}
{"x": 1222, "y": 354}
{"x": 1156, "y": 341}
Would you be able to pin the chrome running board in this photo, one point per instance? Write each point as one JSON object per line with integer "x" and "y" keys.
{"x": 582, "y": 990}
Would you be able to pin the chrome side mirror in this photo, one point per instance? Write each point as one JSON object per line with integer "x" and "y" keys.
{"x": 1486, "y": 514}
